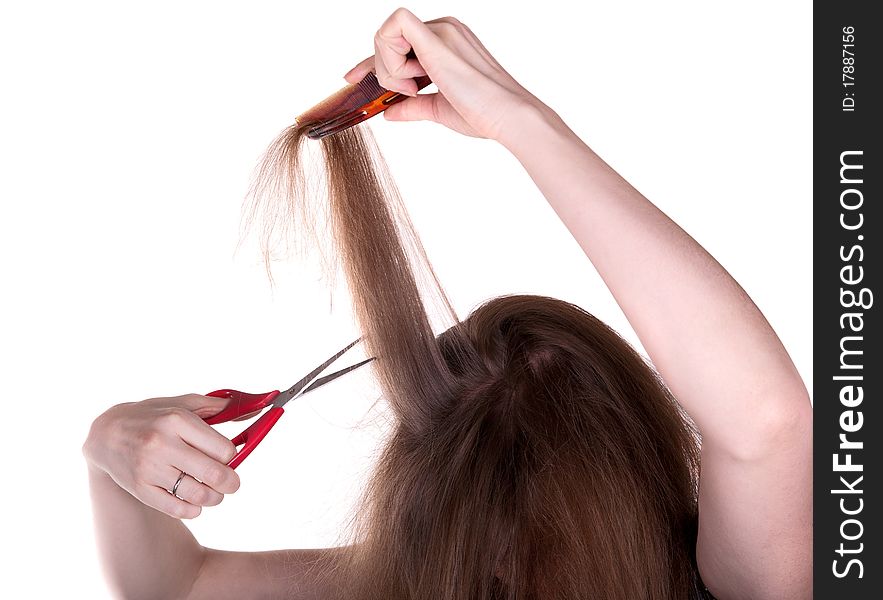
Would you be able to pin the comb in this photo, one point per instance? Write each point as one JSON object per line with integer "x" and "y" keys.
{"x": 351, "y": 105}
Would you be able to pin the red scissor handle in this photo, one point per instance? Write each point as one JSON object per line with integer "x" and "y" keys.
{"x": 240, "y": 404}
{"x": 252, "y": 436}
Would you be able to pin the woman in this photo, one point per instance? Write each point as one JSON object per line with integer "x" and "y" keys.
{"x": 709, "y": 343}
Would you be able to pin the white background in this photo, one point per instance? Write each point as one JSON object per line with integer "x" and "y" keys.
{"x": 128, "y": 133}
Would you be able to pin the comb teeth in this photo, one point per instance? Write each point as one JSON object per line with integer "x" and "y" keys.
{"x": 370, "y": 87}
{"x": 340, "y": 123}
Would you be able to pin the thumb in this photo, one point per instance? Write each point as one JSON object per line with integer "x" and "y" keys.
{"x": 422, "y": 107}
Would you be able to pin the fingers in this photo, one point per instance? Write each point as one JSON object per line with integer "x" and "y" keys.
{"x": 189, "y": 498}
{"x": 398, "y": 35}
{"x": 390, "y": 69}
{"x": 210, "y": 472}
{"x": 410, "y": 68}
{"x": 194, "y": 492}
{"x": 357, "y": 73}
{"x": 196, "y": 433}
{"x": 163, "y": 501}
{"x": 202, "y": 406}
{"x": 422, "y": 107}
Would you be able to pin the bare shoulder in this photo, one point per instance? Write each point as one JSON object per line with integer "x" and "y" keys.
{"x": 270, "y": 575}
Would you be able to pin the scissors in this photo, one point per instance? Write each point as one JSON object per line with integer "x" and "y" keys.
{"x": 243, "y": 404}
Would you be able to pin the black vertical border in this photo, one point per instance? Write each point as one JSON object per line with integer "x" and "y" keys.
{"x": 837, "y": 131}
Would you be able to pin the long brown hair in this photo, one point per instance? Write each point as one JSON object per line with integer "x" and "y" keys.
{"x": 534, "y": 453}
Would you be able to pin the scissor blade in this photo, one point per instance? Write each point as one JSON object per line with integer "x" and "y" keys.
{"x": 329, "y": 378}
{"x": 300, "y": 387}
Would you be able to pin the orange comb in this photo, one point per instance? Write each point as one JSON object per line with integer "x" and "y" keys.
{"x": 352, "y": 105}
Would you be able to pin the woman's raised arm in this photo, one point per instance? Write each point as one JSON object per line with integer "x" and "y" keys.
{"x": 711, "y": 344}
{"x": 717, "y": 354}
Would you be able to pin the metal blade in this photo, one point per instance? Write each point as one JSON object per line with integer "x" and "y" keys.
{"x": 329, "y": 378}
{"x": 300, "y": 387}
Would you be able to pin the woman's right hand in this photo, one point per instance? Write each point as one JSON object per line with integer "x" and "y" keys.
{"x": 144, "y": 446}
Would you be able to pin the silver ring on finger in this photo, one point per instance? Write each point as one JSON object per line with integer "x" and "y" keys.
{"x": 174, "y": 490}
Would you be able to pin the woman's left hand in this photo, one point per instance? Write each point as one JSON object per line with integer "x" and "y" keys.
{"x": 476, "y": 96}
